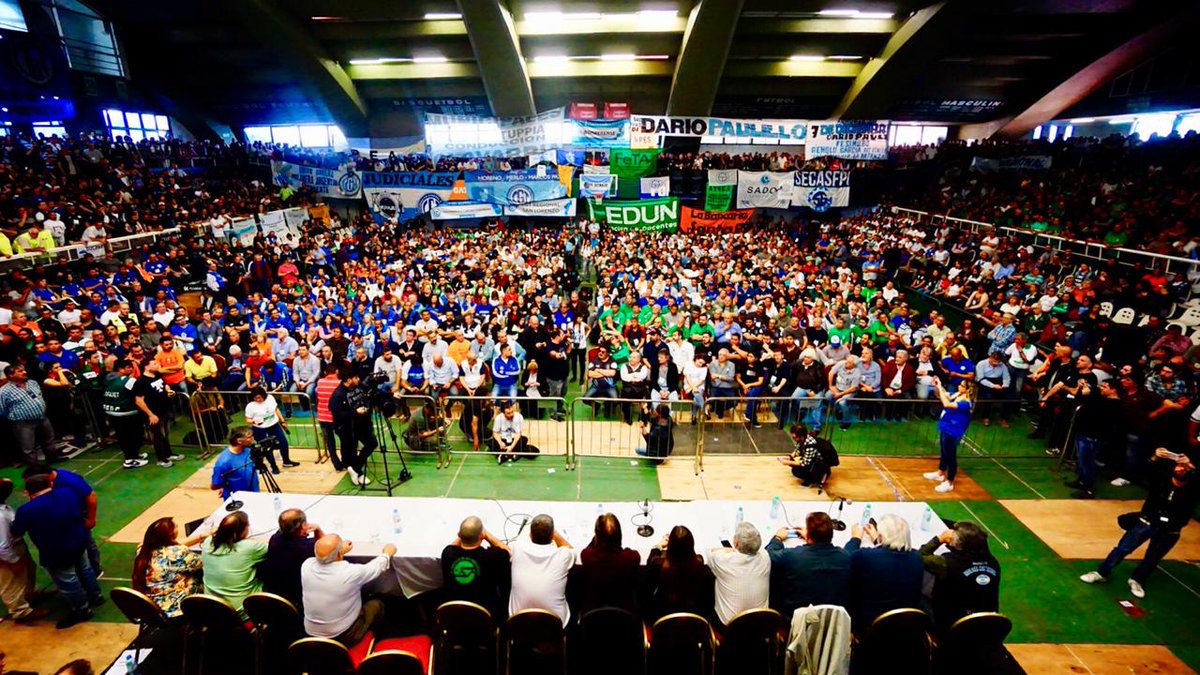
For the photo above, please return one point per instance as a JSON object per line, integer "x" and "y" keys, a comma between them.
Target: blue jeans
{"x": 274, "y": 431}
{"x": 507, "y": 391}
{"x": 1085, "y": 460}
{"x": 1161, "y": 543}
{"x": 752, "y": 395}
{"x": 948, "y": 461}
{"x": 77, "y": 582}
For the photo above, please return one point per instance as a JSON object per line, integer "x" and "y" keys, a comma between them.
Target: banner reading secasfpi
{"x": 652, "y": 215}
{"x": 764, "y": 189}
{"x": 821, "y": 190}
{"x": 405, "y": 194}
{"x": 463, "y": 136}
{"x": 519, "y": 186}
{"x": 847, "y": 140}
{"x": 341, "y": 183}
{"x": 650, "y": 127}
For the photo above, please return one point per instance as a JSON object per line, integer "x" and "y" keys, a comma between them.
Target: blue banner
{"x": 513, "y": 188}
{"x": 596, "y": 133}
{"x": 570, "y": 157}
{"x": 405, "y": 194}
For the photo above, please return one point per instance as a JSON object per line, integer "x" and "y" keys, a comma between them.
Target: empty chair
{"x": 1124, "y": 316}
{"x": 141, "y": 611}
{"x": 819, "y": 641}
{"x": 417, "y": 646}
{"x": 1190, "y": 316}
{"x": 464, "y": 640}
{"x": 609, "y": 640}
{"x": 897, "y": 641}
{"x": 204, "y": 615}
{"x": 535, "y": 643}
{"x": 277, "y": 624}
{"x": 751, "y": 643}
{"x": 1106, "y": 308}
{"x": 320, "y": 656}
{"x": 392, "y": 662}
{"x": 681, "y": 644}
{"x": 975, "y": 644}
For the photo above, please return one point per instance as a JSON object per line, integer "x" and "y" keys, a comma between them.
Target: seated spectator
{"x": 742, "y": 572}
{"x": 966, "y": 578}
{"x": 286, "y": 552}
{"x": 658, "y": 433}
{"x": 508, "y": 437}
{"x": 677, "y": 580}
{"x": 333, "y": 606}
{"x": 166, "y": 570}
{"x": 885, "y": 577}
{"x": 817, "y": 573}
{"x": 231, "y": 561}
{"x": 608, "y": 573}
{"x": 540, "y": 566}
{"x": 475, "y": 568}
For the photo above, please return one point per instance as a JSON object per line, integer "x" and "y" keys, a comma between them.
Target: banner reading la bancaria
{"x": 650, "y": 215}
{"x": 629, "y": 163}
{"x": 692, "y": 219}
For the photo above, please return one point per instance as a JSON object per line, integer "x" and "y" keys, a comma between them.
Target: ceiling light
{"x": 838, "y": 12}
{"x": 1083, "y": 120}
{"x": 376, "y": 62}
{"x": 658, "y": 14}
{"x": 874, "y": 15}
{"x": 618, "y": 57}
{"x": 442, "y": 16}
{"x": 551, "y": 58}
{"x": 843, "y": 57}
{"x": 653, "y": 57}
{"x": 325, "y": 18}
{"x": 583, "y": 16}
{"x": 806, "y": 57}
{"x": 855, "y": 14}
{"x": 430, "y": 59}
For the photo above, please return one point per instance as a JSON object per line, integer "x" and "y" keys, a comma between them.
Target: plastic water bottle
{"x": 278, "y": 502}
{"x": 866, "y": 515}
{"x": 927, "y": 519}
{"x": 776, "y": 505}
{"x": 397, "y": 525}
{"x": 599, "y": 510}
{"x": 741, "y": 515}
{"x": 130, "y": 663}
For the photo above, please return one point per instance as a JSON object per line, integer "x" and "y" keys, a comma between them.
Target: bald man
{"x": 332, "y": 590}
{"x": 475, "y": 567}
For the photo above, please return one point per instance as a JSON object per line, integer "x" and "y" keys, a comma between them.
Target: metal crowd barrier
{"x": 610, "y": 427}
{"x": 214, "y": 412}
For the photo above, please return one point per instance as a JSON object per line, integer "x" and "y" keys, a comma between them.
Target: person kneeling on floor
{"x": 811, "y": 459}
{"x": 658, "y": 433}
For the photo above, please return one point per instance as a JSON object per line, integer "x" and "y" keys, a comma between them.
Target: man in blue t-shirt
{"x": 234, "y": 470}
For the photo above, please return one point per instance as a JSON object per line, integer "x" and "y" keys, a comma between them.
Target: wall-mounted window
{"x": 303, "y": 135}
{"x": 11, "y": 16}
{"x": 49, "y": 128}
{"x": 89, "y": 39}
{"x": 136, "y": 125}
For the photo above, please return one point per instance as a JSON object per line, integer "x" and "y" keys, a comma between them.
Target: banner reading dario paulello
{"x": 648, "y": 215}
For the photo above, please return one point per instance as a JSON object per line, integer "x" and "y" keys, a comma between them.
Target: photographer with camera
{"x": 351, "y": 408}
{"x": 234, "y": 470}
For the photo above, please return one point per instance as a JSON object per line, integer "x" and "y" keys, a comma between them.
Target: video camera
{"x": 262, "y": 449}
{"x": 379, "y": 400}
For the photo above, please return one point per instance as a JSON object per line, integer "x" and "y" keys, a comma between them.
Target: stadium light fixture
{"x": 618, "y": 57}
{"x": 806, "y": 57}
{"x": 855, "y": 14}
{"x": 551, "y": 58}
{"x": 430, "y": 59}
{"x": 1083, "y": 120}
{"x": 843, "y": 57}
{"x": 442, "y": 16}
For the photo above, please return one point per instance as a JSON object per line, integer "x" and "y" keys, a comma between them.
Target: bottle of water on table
{"x": 278, "y": 504}
{"x": 741, "y": 515}
{"x": 927, "y": 519}
{"x": 130, "y": 663}
{"x": 397, "y": 525}
{"x": 866, "y": 518}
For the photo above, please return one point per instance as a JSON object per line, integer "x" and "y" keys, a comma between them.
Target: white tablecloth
{"x": 427, "y": 525}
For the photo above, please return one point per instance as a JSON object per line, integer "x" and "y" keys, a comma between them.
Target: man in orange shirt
{"x": 170, "y": 361}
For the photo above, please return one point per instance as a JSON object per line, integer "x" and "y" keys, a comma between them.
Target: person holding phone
{"x": 1174, "y": 493}
{"x": 952, "y": 426}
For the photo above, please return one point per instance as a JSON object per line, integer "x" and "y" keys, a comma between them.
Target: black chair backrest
{"x": 464, "y": 640}
{"x": 275, "y": 615}
{"x": 535, "y": 643}
{"x": 752, "y": 642}
{"x": 391, "y": 662}
{"x": 210, "y": 612}
{"x": 138, "y": 608}
{"x": 609, "y": 640}
{"x": 320, "y": 656}
{"x": 980, "y": 634}
{"x": 681, "y": 644}
{"x": 896, "y": 641}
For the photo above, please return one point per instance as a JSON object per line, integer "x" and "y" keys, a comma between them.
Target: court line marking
{"x": 461, "y": 461}
{"x": 886, "y": 480}
{"x": 1019, "y": 479}
{"x": 897, "y": 482}
{"x": 984, "y": 526}
{"x": 1077, "y": 658}
{"x": 1179, "y": 581}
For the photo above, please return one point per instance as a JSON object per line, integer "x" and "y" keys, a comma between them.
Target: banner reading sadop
{"x": 820, "y": 190}
{"x": 629, "y": 163}
{"x": 519, "y": 186}
{"x": 847, "y": 140}
{"x": 405, "y": 194}
{"x": 653, "y": 215}
{"x": 764, "y": 189}
{"x": 342, "y": 183}
{"x": 724, "y": 220}
{"x": 718, "y": 193}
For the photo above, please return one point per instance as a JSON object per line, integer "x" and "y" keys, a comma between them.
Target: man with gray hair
{"x": 475, "y": 567}
{"x": 540, "y": 565}
{"x": 845, "y": 380}
{"x": 886, "y": 577}
{"x": 743, "y": 573}
{"x": 333, "y": 606}
{"x": 286, "y": 552}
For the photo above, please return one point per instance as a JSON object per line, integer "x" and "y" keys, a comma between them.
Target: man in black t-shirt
{"x": 152, "y": 396}
{"x": 474, "y": 572}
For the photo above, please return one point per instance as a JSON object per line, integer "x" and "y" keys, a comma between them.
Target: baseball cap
{"x": 835, "y": 340}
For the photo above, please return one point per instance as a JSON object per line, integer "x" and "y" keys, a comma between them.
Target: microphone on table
{"x": 838, "y": 523}
{"x": 645, "y": 530}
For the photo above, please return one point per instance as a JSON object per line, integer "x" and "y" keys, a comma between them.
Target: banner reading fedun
{"x": 691, "y": 219}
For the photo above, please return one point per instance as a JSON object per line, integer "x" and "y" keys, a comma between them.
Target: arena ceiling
{"x": 372, "y": 66}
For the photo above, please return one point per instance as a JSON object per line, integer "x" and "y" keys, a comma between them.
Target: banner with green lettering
{"x": 629, "y": 163}
{"x": 650, "y": 215}
{"x": 718, "y": 197}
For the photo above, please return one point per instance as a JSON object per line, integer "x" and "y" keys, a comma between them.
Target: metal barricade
{"x": 753, "y": 425}
{"x": 214, "y": 412}
{"x": 611, "y": 427}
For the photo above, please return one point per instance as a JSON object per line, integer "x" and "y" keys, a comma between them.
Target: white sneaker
{"x": 355, "y": 478}
{"x": 1119, "y": 482}
{"x": 1136, "y": 589}
{"x": 363, "y": 481}
{"x": 134, "y": 463}
{"x": 933, "y": 475}
{"x": 944, "y": 486}
{"x": 1093, "y": 578}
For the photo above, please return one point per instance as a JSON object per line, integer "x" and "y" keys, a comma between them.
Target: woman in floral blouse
{"x": 165, "y": 570}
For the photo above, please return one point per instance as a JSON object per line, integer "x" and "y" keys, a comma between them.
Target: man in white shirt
{"x": 540, "y": 566}
{"x": 70, "y": 313}
{"x": 17, "y": 570}
{"x": 507, "y": 428}
{"x": 332, "y": 589}
{"x": 743, "y": 573}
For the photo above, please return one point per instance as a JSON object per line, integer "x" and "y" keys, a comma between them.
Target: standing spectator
{"x": 333, "y": 606}
{"x": 608, "y": 572}
{"x": 55, "y": 524}
{"x": 540, "y": 566}
{"x": 286, "y": 552}
{"x": 22, "y": 404}
{"x": 18, "y": 573}
{"x": 966, "y": 577}
{"x": 556, "y": 371}
{"x": 1097, "y": 420}
{"x": 743, "y": 574}
{"x": 262, "y": 412}
{"x": 323, "y": 392}
{"x": 171, "y": 360}
{"x": 473, "y": 572}
{"x": 234, "y": 470}
{"x": 120, "y": 408}
{"x": 817, "y": 573}
{"x": 231, "y": 561}
{"x": 952, "y": 426}
{"x": 351, "y": 412}
{"x": 166, "y": 570}
{"x": 153, "y": 397}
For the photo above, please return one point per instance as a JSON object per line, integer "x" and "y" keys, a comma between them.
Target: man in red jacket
{"x": 898, "y": 381}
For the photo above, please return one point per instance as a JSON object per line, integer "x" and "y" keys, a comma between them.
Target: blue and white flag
{"x": 404, "y": 195}
{"x": 655, "y": 186}
{"x": 513, "y": 188}
{"x": 597, "y": 185}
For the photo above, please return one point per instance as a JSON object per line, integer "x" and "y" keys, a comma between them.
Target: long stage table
{"x": 421, "y": 527}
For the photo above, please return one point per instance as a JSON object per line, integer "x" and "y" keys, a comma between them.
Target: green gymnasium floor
{"x": 1040, "y": 590}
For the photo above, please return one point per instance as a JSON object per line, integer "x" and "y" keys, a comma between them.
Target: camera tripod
{"x": 257, "y": 459}
{"x": 381, "y": 422}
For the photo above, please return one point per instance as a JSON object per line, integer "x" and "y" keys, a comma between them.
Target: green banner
{"x": 650, "y": 215}
{"x": 630, "y": 163}
{"x": 718, "y": 197}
